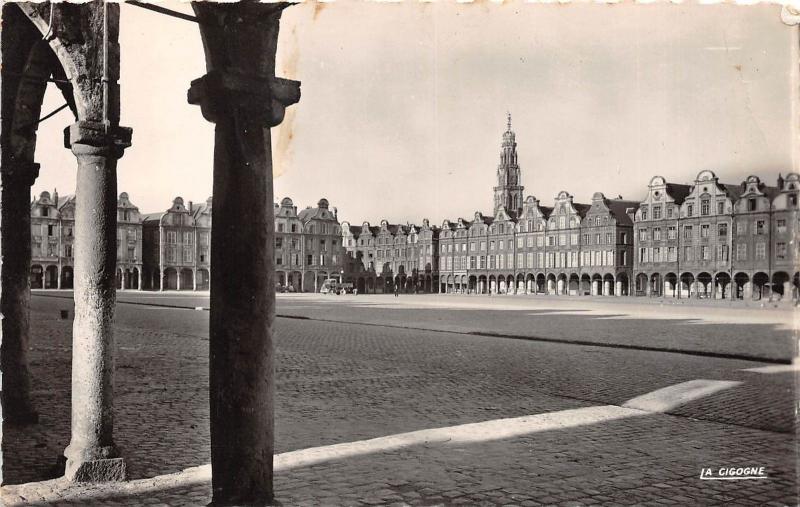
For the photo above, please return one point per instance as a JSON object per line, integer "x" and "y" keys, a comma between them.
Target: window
{"x": 610, "y": 239}
{"x": 672, "y": 254}
{"x": 643, "y": 255}
{"x": 656, "y": 233}
{"x": 278, "y": 242}
{"x": 642, "y": 234}
{"x": 669, "y": 212}
{"x": 561, "y": 222}
{"x": 759, "y": 227}
{"x": 720, "y": 207}
{"x": 722, "y": 230}
{"x": 472, "y": 262}
{"x": 483, "y": 245}
{"x": 540, "y": 241}
{"x": 321, "y": 259}
{"x": 585, "y": 239}
{"x": 741, "y": 252}
{"x": 656, "y": 254}
{"x": 672, "y": 232}
{"x": 780, "y": 250}
{"x": 793, "y": 200}
{"x": 483, "y": 262}
{"x": 623, "y": 238}
{"x": 562, "y": 239}
{"x": 761, "y": 250}
{"x": 294, "y": 227}
{"x": 751, "y": 204}
{"x": 688, "y": 253}
{"x": 689, "y": 210}
{"x": 722, "y": 252}
{"x": 781, "y": 226}
{"x": 704, "y": 231}
{"x": 188, "y": 238}
{"x": 704, "y": 253}
{"x": 203, "y": 255}
{"x": 171, "y": 254}
{"x": 644, "y": 212}
{"x": 309, "y": 260}
{"x": 530, "y": 241}
{"x": 551, "y": 241}
{"x": 491, "y": 262}
{"x": 705, "y": 207}
{"x": 131, "y": 253}
{"x": 68, "y": 232}
{"x": 656, "y": 212}
{"x": 687, "y": 232}
{"x": 597, "y": 239}
{"x": 280, "y": 229}
{"x": 67, "y": 250}
{"x": 741, "y": 228}
{"x": 172, "y": 237}
{"x": 50, "y": 229}
{"x": 501, "y": 244}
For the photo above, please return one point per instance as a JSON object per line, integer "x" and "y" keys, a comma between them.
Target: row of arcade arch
{"x": 573, "y": 284}
{"x": 721, "y": 285}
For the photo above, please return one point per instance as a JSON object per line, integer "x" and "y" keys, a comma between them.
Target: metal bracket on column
{"x": 98, "y": 135}
{"x": 220, "y": 92}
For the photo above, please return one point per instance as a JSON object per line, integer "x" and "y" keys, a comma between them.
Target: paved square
{"x": 351, "y": 369}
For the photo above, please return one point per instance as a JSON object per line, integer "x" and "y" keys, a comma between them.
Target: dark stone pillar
{"x": 15, "y": 248}
{"x": 92, "y": 455}
{"x": 241, "y": 95}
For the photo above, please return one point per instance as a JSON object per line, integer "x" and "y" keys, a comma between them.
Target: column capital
{"x": 95, "y": 138}
{"x": 21, "y": 172}
{"x": 220, "y": 92}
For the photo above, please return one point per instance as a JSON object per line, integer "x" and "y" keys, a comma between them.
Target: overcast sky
{"x": 404, "y": 105}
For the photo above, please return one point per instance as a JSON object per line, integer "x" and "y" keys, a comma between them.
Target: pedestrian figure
{"x": 355, "y": 292}
{"x": 396, "y": 291}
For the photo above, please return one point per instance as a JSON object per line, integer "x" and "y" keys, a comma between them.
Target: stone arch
{"x": 67, "y": 276}
{"x": 51, "y": 277}
{"x": 574, "y": 284}
{"x": 670, "y": 284}
{"x": 609, "y": 284}
{"x": 781, "y": 285}
{"x": 204, "y": 280}
{"x": 741, "y": 285}
{"x": 686, "y": 284}
{"x": 704, "y": 284}
{"x": 640, "y": 284}
{"x": 585, "y": 285}
{"x": 656, "y": 285}
{"x": 623, "y": 285}
{"x": 722, "y": 285}
{"x": 170, "y": 279}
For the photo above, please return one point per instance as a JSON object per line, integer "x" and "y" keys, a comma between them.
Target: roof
{"x": 149, "y": 217}
{"x": 619, "y": 207}
{"x": 734, "y": 191}
{"x": 63, "y": 200}
{"x": 582, "y": 209}
{"x": 678, "y": 192}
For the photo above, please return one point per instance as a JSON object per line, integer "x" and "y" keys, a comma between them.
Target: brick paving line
{"x": 490, "y": 334}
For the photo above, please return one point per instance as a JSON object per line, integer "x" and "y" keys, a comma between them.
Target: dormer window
{"x": 45, "y": 211}
{"x": 751, "y": 204}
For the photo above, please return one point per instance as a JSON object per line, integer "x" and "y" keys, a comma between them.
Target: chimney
{"x": 55, "y": 197}
{"x": 190, "y": 206}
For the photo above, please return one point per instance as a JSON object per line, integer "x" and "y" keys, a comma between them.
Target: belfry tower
{"x": 508, "y": 191}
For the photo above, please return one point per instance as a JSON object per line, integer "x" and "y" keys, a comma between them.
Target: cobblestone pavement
{"x": 341, "y": 382}
{"x": 712, "y": 326}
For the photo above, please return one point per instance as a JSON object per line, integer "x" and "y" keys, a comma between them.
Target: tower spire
{"x": 508, "y": 192}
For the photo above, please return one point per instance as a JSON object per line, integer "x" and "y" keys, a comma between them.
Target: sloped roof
{"x": 582, "y": 209}
{"x": 734, "y": 191}
{"x": 618, "y": 208}
{"x": 678, "y": 192}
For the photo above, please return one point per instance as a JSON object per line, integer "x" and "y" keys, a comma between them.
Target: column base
{"x": 97, "y": 470}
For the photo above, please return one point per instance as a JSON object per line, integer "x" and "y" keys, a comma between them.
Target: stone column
{"x": 139, "y": 287}
{"x": 243, "y": 98}
{"x": 92, "y": 455}
{"x": 618, "y": 288}
{"x": 123, "y": 278}
{"x": 179, "y": 272}
{"x": 15, "y": 249}
{"x": 194, "y": 280}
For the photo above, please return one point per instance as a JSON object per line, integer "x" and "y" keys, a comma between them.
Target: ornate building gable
{"x": 566, "y": 214}
{"x": 480, "y": 225}
{"x": 66, "y": 207}
{"x": 45, "y": 206}
{"x": 508, "y": 192}
{"x": 177, "y": 214}
{"x": 787, "y": 192}
{"x": 663, "y": 200}
{"x": 202, "y": 214}
{"x": 534, "y": 217}
{"x": 709, "y": 197}
{"x": 127, "y": 212}
{"x": 755, "y": 196}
